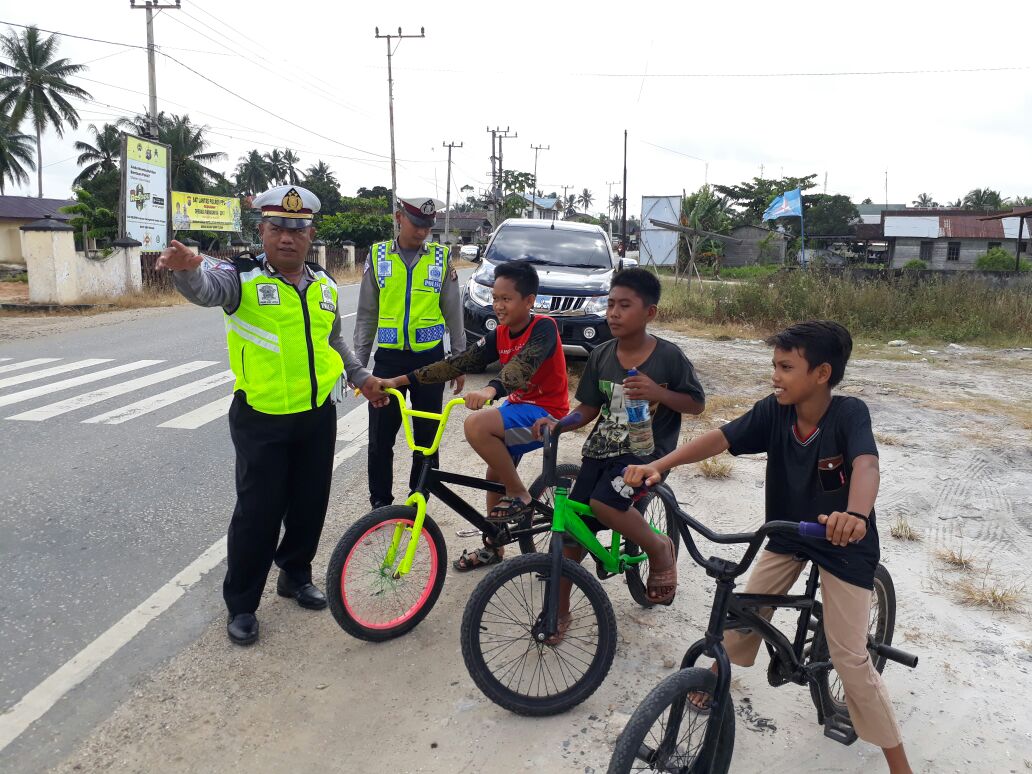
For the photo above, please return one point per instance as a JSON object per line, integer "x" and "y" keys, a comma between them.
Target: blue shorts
{"x": 518, "y": 419}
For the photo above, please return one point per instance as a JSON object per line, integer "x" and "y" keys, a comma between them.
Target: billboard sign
{"x": 143, "y": 207}
{"x": 205, "y": 213}
{"x": 658, "y": 246}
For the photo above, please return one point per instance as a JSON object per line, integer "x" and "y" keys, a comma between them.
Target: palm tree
{"x": 571, "y": 202}
{"x": 956, "y": 205}
{"x": 277, "y": 169}
{"x": 102, "y": 156}
{"x": 1022, "y": 201}
{"x": 252, "y": 174}
{"x": 15, "y": 154}
{"x": 290, "y": 162}
{"x": 321, "y": 172}
{"x": 925, "y": 201}
{"x": 615, "y": 204}
{"x": 585, "y": 199}
{"x": 35, "y": 84}
{"x": 985, "y": 199}
{"x": 189, "y": 155}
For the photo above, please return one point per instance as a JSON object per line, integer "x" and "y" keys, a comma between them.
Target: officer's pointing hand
{"x": 178, "y": 257}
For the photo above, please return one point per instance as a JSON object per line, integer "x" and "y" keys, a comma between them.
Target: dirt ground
{"x": 954, "y": 429}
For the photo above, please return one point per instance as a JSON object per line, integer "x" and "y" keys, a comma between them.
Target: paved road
{"x": 117, "y": 474}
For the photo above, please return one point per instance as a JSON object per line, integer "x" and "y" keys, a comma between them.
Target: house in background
{"x": 947, "y": 238}
{"x": 542, "y": 207}
{"x": 756, "y": 245}
{"x": 470, "y": 228}
{"x": 17, "y": 211}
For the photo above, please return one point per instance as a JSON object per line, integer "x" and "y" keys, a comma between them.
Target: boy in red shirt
{"x": 532, "y": 382}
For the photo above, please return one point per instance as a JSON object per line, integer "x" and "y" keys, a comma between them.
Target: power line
{"x": 671, "y": 150}
{"x": 846, "y": 73}
{"x": 110, "y": 42}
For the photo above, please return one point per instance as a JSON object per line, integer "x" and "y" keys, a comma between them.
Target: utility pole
{"x": 533, "y": 190}
{"x": 390, "y": 94}
{"x": 626, "y": 238}
{"x": 497, "y": 135}
{"x": 152, "y": 80}
{"x": 447, "y": 194}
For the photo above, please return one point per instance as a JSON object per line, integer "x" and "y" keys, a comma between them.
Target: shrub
{"x": 915, "y": 265}
{"x": 999, "y": 259}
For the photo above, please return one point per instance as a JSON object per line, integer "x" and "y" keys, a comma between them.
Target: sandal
{"x": 510, "y": 509}
{"x": 562, "y": 626}
{"x": 663, "y": 579}
{"x": 482, "y": 557}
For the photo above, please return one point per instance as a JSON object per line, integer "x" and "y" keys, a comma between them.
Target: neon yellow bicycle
{"x": 388, "y": 569}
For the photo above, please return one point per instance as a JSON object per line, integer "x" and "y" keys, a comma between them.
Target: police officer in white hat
{"x": 409, "y": 295}
{"x": 287, "y": 354}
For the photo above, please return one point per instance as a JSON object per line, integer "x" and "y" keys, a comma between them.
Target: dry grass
{"x": 901, "y": 530}
{"x": 956, "y": 559}
{"x": 990, "y": 593}
{"x": 144, "y": 298}
{"x": 350, "y": 276}
{"x": 716, "y": 468}
{"x": 887, "y": 439}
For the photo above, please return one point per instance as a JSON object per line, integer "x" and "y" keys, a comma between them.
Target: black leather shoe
{"x": 379, "y": 504}
{"x": 242, "y": 628}
{"x": 306, "y": 594}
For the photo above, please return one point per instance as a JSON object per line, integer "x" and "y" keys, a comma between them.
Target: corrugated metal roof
{"x": 33, "y": 208}
{"x": 970, "y": 227}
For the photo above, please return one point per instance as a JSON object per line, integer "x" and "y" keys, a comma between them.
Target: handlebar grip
{"x": 812, "y": 529}
{"x": 897, "y": 655}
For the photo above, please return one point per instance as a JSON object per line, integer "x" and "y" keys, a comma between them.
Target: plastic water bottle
{"x": 639, "y": 423}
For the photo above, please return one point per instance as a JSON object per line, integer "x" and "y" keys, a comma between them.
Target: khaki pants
{"x": 846, "y": 611}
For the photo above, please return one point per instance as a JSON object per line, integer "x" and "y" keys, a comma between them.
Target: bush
{"x": 999, "y": 259}
{"x": 915, "y": 265}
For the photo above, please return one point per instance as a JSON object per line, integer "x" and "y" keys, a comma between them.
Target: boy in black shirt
{"x": 822, "y": 465}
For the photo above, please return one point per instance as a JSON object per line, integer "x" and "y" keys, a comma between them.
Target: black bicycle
{"x": 687, "y": 723}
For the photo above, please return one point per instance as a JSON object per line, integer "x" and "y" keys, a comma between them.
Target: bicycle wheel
{"x": 827, "y": 693}
{"x": 366, "y": 600}
{"x": 514, "y": 670}
{"x": 666, "y": 731}
{"x": 662, "y": 517}
{"x": 539, "y": 542}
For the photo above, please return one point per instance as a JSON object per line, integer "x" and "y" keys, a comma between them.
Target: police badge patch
{"x": 327, "y": 299}
{"x": 268, "y": 293}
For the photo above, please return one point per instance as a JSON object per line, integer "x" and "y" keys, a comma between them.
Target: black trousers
{"x": 284, "y": 464}
{"x": 385, "y": 422}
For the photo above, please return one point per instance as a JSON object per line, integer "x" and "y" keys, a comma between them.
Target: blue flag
{"x": 789, "y": 203}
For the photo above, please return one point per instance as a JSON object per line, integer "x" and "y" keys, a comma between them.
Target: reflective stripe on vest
{"x": 410, "y": 298}
{"x": 278, "y": 341}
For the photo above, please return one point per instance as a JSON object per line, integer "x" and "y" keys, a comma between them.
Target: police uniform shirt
{"x": 215, "y": 283}
{"x": 368, "y": 315}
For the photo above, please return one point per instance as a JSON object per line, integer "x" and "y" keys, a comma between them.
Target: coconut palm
{"x": 585, "y": 199}
{"x": 189, "y": 170}
{"x": 985, "y": 199}
{"x": 252, "y": 174}
{"x": 925, "y": 201}
{"x": 102, "y": 156}
{"x": 615, "y": 204}
{"x": 35, "y": 84}
{"x": 321, "y": 172}
{"x": 274, "y": 163}
{"x": 571, "y": 202}
{"x": 290, "y": 162}
{"x": 15, "y": 155}
{"x": 956, "y": 204}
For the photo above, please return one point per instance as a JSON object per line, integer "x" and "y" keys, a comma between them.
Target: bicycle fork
{"x": 418, "y": 500}
{"x": 547, "y": 623}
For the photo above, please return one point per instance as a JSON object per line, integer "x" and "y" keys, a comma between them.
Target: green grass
{"x": 956, "y": 309}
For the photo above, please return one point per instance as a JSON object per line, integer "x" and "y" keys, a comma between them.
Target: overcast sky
{"x": 573, "y": 76}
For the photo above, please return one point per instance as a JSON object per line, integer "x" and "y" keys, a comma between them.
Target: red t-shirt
{"x": 547, "y": 387}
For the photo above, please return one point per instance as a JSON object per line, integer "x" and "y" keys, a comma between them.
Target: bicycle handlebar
{"x": 441, "y": 419}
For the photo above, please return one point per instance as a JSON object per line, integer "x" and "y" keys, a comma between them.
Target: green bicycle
{"x": 388, "y": 569}
{"x": 512, "y": 642}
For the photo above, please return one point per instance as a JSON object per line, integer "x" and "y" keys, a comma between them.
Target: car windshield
{"x": 560, "y": 247}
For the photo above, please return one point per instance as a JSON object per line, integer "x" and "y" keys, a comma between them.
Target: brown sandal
{"x": 663, "y": 579}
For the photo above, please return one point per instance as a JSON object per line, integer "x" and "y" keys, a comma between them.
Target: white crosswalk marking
{"x": 201, "y": 416}
{"x": 96, "y": 376}
{"x": 25, "y": 363}
{"x": 145, "y": 406}
{"x": 88, "y": 398}
{"x": 35, "y": 376}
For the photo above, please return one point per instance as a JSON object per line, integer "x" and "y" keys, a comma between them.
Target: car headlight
{"x": 481, "y": 294}
{"x": 596, "y": 305}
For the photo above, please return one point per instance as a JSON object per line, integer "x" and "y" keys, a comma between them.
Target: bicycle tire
{"x": 663, "y": 517}
{"x": 482, "y": 621}
{"x": 345, "y": 593}
{"x": 826, "y": 691}
{"x": 539, "y": 542}
{"x": 633, "y": 752}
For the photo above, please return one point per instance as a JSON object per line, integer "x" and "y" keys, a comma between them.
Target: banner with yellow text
{"x": 198, "y": 212}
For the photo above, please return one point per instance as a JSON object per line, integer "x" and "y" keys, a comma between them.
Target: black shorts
{"x": 602, "y": 480}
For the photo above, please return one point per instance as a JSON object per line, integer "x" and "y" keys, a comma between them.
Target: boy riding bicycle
{"x": 822, "y": 465}
{"x": 532, "y": 381}
{"x": 666, "y": 379}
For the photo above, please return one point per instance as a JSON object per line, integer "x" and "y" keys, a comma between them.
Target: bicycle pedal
{"x": 839, "y": 729}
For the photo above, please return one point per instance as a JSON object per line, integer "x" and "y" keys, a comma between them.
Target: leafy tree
{"x": 830, "y": 215}
{"x": 704, "y": 210}
{"x": 867, "y": 201}
{"x": 35, "y": 84}
{"x": 615, "y": 204}
{"x": 276, "y": 167}
{"x": 956, "y": 204}
{"x": 102, "y": 156}
{"x": 189, "y": 170}
{"x": 984, "y": 199}
{"x": 92, "y": 220}
{"x": 571, "y": 203}
{"x": 585, "y": 199}
{"x": 15, "y": 154}
{"x": 514, "y": 181}
{"x": 925, "y": 200}
{"x": 320, "y": 172}
{"x": 105, "y": 188}
{"x": 751, "y": 198}
{"x": 252, "y": 174}
{"x": 1022, "y": 201}
{"x": 290, "y": 162}
{"x": 999, "y": 259}
{"x": 329, "y": 196}
{"x": 360, "y": 228}
{"x": 383, "y": 192}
